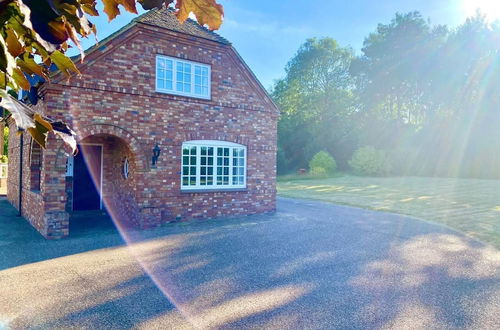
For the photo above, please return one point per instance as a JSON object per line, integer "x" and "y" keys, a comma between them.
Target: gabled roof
{"x": 165, "y": 18}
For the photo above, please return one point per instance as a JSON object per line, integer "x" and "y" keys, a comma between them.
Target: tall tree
{"x": 316, "y": 99}
{"x": 393, "y": 73}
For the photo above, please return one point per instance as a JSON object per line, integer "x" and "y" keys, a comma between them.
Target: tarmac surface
{"x": 310, "y": 265}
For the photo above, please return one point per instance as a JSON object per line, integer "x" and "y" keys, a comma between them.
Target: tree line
{"x": 427, "y": 95}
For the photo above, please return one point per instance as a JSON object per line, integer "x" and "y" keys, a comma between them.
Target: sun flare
{"x": 490, "y": 8}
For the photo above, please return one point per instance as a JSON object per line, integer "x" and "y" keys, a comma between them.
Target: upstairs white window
{"x": 208, "y": 164}
{"x": 181, "y": 77}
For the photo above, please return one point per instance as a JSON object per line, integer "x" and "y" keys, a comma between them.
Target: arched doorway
{"x": 102, "y": 177}
{"x": 88, "y": 177}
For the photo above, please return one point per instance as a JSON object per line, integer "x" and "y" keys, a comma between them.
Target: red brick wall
{"x": 115, "y": 95}
{"x": 43, "y": 208}
{"x": 32, "y": 208}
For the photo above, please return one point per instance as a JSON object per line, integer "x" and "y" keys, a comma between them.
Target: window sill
{"x": 195, "y": 191}
{"x": 173, "y": 93}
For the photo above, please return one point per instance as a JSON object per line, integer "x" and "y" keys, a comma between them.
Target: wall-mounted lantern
{"x": 156, "y": 155}
{"x": 126, "y": 168}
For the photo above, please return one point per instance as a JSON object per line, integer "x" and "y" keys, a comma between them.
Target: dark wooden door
{"x": 87, "y": 178}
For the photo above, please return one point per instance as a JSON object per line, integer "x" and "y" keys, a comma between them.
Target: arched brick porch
{"x": 120, "y": 197}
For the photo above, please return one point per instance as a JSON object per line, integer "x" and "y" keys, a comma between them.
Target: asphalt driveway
{"x": 310, "y": 265}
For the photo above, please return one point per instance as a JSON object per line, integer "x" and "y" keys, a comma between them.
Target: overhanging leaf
{"x": 111, "y": 7}
{"x": 14, "y": 46}
{"x": 7, "y": 62}
{"x": 39, "y": 134}
{"x": 66, "y": 134}
{"x": 64, "y": 63}
{"x": 90, "y": 9}
{"x": 22, "y": 114}
{"x": 38, "y": 126}
{"x": 207, "y": 12}
{"x": 150, "y": 4}
{"x": 58, "y": 31}
{"x": 43, "y": 122}
{"x": 29, "y": 66}
{"x": 20, "y": 79}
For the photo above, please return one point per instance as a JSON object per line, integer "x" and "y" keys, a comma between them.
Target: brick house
{"x": 154, "y": 85}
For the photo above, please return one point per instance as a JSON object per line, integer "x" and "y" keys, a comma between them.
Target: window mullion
{"x": 245, "y": 156}
{"x": 230, "y": 166}
{"x": 192, "y": 79}
{"x": 174, "y": 75}
{"x": 216, "y": 152}
{"x": 165, "y": 65}
{"x": 198, "y": 167}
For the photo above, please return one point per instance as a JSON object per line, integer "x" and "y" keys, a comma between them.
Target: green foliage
{"x": 4, "y": 159}
{"x": 427, "y": 93}
{"x": 322, "y": 164}
{"x": 316, "y": 99}
{"x": 5, "y": 141}
{"x": 369, "y": 161}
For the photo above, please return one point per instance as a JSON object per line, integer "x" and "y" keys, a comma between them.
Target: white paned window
{"x": 208, "y": 164}
{"x": 181, "y": 77}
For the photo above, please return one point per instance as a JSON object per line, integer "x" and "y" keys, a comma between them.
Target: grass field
{"x": 469, "y": 205}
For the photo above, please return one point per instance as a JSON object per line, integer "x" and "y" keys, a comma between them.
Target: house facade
{"x": 171, "y": 125}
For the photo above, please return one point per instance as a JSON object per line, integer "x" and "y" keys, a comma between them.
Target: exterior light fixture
{"x": 156, "y": 155}
{"x": 126, "y": 169}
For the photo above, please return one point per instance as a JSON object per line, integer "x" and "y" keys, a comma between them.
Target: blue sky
{"x": 267, "y": 33}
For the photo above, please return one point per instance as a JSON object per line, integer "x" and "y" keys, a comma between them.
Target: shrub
{"x": 369, "y": 161}
{"x": 3, "y": 159}
{"x": 318, "y": 171}
{"x": 322, "y": 164}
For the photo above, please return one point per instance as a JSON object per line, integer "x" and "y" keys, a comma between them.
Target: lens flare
{"x": 133, "y": 238}
{"x": 490, "y": 8}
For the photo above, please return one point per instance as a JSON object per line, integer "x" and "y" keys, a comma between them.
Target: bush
{"x": 369, "y": 161}
{"x": 3, "y": 159}
{"x": 322, "y": 164}
{"x": 318, "y": 171}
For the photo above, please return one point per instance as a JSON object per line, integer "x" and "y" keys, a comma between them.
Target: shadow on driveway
{"x": 310, "y": 265}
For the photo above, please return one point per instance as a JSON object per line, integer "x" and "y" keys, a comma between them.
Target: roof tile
{"x": 165, "y": 18}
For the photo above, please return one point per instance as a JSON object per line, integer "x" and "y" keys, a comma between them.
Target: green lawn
{"x": 468, "y": 205}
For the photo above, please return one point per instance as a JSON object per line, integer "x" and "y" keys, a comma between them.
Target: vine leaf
{"x": 150, "y": 4}
{"x": 207, "y": 12}
{"x": 39, "y": 133}
{"x": 35, "y": 124}
{"x": 13, "y": 45}
{"x": 111, "y": 7}
{"x": 22, "y": 114}
{"x": 63, "y": 63}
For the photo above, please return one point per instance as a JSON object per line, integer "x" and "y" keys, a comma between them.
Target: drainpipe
{"x": 21, "y": 144}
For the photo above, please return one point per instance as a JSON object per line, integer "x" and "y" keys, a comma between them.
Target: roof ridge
{"x": 164, "y": 18}
{"x": 149, "y": 18}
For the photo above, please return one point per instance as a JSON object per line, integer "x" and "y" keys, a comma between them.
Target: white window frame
{"x": 215, "y": 144}
{"x": 174, "y": 78}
